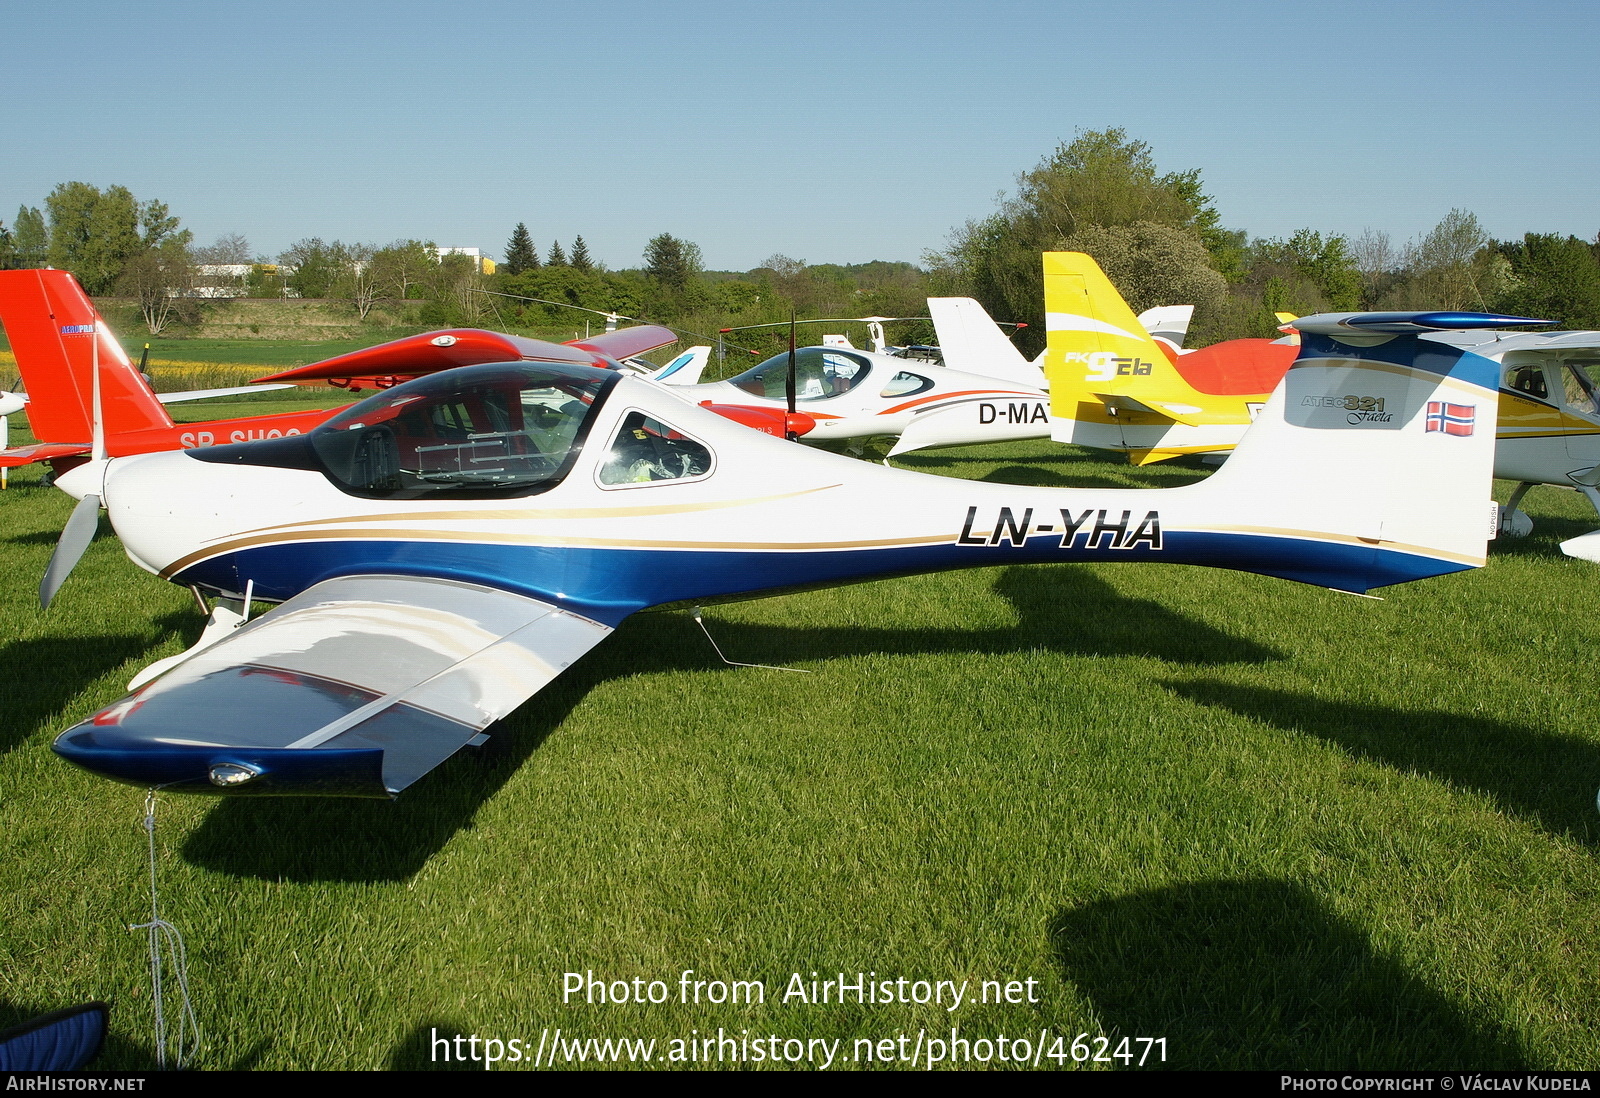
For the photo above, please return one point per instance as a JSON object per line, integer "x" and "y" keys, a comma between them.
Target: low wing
{"x": 41, "y": 451}
{"x": 430, "y": 352}
{"x": 626, "y": 342}
{"x": 208, "y": 394}
{"x": 355, "y": 687}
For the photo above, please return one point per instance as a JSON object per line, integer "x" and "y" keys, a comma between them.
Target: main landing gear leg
{"x": 1514, "y": 523}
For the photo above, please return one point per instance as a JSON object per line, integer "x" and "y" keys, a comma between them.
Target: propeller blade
{"x": 75, "y": 538}
{"x": 789, "y": 379}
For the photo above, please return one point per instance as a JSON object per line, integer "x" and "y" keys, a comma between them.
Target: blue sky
{"x": 827, "y": 131}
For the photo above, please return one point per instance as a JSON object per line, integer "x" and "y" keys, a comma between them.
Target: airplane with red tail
{"x": 62, "y": 343}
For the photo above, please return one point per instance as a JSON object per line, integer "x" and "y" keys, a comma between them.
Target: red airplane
{"x": 59, "y": 338}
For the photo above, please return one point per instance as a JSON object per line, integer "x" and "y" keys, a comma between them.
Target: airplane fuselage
{"x": 758, "y": 515}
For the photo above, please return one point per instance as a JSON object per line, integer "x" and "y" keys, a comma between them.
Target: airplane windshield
{"x": 507, "y": 429}
{"x": 1580, "y": 389}
{"x": 820, "y": 373}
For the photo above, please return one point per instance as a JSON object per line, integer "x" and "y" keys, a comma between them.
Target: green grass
{"x": 1278, "y": 826}
{"x": 276, "y": 354}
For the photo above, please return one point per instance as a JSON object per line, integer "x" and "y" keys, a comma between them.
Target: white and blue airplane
{"x": 443, "y": 550}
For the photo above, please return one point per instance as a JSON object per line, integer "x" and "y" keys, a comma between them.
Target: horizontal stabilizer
{"x": 1129, "y": 404}
{"x": 355, "y": 687}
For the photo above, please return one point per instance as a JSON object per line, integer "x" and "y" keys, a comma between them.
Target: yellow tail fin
{"x": 1099, "y": 353}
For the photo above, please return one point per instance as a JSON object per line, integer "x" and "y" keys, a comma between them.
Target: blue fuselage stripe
{"x": 609, "y": 584}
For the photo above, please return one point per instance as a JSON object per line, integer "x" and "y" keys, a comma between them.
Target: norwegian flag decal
{"x": 1452, "y": 419}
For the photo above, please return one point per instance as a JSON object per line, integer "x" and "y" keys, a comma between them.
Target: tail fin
{"x": 52, "y": 327}
{"x": 1412, "y": 499}
{"x": 1168, "y": 324}
{"x": 1099, "y": 354}
{"x": 683, "y": 370}
{"x": 971, "y": 342}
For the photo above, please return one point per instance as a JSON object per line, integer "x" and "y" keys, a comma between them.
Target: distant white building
{"x": 221, "y": 280}
{"x": 484, "y": 264}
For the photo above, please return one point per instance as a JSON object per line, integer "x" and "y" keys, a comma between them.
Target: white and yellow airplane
{"x": 1115, "y": 387}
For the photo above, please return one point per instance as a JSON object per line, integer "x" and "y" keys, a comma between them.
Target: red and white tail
{"x": 52, "y": 327}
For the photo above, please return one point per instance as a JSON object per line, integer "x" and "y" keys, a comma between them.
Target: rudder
{"x": 52, "y": 326}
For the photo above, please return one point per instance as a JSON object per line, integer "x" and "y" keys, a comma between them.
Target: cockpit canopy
{"x": 820, "y": 373}
{"x": 498, "y": 430}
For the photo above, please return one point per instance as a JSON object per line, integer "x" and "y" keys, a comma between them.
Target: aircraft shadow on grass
{"x": 1257, "y": 975}
{"x": 43, "y": 537}
{"x": 430, "y": 1047}
{"x": 1549, "y": 531}
{"x": 58, "y": 668}
{"x": 1064, "y": 471}
{"x": 1542, "y": 776}
{"x": 1067, "y": 610}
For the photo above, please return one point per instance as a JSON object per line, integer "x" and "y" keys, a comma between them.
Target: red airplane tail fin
{"x": 52, "y": 326}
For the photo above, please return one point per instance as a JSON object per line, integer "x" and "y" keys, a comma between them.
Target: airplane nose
{"x": 85, "y": 480}
{"x": 150, "y": 505}
{"x": 167, "y": 506}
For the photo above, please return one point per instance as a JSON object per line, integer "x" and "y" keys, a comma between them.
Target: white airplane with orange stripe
{"x": 850, "y": 394}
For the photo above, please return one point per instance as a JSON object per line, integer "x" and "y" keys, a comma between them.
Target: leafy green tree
{"x": 580, "y": 256}
{"x": 557, "y": 258}
{"x": 317, "y": 265}
{"x": 1453, "y": 266}
{"x": 1308, "y": 273}
{"x": 671, "y": 262}
{"x": 404, "y": 266}
{"x": 521, "y": 255}
{"x": 92, "y": 234}
{"x": 1155, "y": 264}
{"x": 30, "y": 238}
{"x": 265, "y": 280}
{"x": 1101, "y": 180}
{"x": 158, "y": 227}
{"x": 1553, "y": 278}
{"x": 453, "y": 289}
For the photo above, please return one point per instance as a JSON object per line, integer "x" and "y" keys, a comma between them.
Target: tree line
{"x": 1160, "y": 239}
{"x": 1158, "y": 235}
